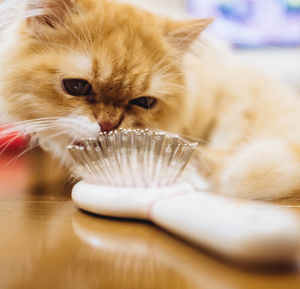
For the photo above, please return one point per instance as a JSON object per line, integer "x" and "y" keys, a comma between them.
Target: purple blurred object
{"x": 252, "y": 23}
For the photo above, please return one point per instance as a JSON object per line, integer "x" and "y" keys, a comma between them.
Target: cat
{"x": 70, "y": 68}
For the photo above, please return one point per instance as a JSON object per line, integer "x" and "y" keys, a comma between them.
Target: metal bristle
{"x": 132, "y": 158}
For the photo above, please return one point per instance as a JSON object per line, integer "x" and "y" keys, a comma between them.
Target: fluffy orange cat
{"x": 69, "y": 67}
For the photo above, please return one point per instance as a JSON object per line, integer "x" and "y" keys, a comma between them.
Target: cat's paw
{"x": 266, "y": 169}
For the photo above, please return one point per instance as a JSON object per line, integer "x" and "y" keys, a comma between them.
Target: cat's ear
{"x": 181, "y": 34}
{"x": 48, "y": 12}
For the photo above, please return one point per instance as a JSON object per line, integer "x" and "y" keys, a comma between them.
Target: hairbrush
{"x": 137, "y": 174}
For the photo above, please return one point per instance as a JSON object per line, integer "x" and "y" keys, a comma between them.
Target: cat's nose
{"x": 107, "y": 126}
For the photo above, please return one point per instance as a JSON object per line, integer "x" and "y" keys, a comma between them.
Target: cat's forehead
{"x": 101, "y": 66}
{"x": 106, "y": 72}
{"x": 78, "y": 64}
{"x": 118, "y": 53}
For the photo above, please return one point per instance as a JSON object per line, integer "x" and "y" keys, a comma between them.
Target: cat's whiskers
{"x": 17, "y": 129}
{"x": 6, "y": 144}
{"x": 42, "y": 120}
{"x": 31, "y": 147}
{"x": 15, "y": 124}
{"x": 11, "y": 128}
{"x": 29, "y": 128}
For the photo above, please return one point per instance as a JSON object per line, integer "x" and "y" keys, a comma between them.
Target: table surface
{"x": 46, "y": 242}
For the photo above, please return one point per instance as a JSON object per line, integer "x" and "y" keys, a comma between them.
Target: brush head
{"x": 131, "y": 158}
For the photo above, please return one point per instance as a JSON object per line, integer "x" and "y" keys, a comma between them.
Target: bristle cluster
{"x": 132, "y": 158}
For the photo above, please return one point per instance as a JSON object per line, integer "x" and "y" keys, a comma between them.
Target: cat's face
{"x": 99, "y": 63}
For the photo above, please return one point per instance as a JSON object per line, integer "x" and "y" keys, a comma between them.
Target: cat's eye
{"x": 77, "y": 87}
{"x": 146, "y": 102}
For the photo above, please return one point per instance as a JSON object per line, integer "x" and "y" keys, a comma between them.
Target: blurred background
{"x": 266, "y": 32}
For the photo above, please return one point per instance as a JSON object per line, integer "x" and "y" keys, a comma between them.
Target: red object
{"x": 12, "y": 141}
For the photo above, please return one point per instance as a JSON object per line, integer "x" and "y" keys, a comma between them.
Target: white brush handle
{"x": 247, "y": 231}
{"x": 242, "y": 230}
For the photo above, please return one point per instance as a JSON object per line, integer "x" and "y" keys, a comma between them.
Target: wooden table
{"x": 45, "y": 242}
